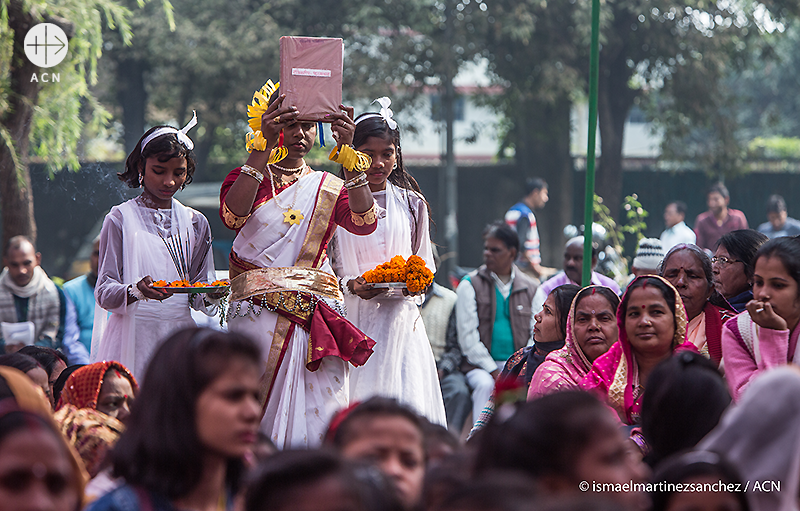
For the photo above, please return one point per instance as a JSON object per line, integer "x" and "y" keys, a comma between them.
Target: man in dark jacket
{"x": 493, "y": 312}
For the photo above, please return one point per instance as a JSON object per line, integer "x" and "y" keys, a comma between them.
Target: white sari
{"x": 402, "y": 365}
{"x": 130, "y": 249}
{"x": 300, "y": 403}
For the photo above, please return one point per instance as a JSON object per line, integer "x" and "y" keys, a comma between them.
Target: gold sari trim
{"x": 279, "y": 339}
{"x": 616, "y": 391}
{"x": 232, "y": 221}
{"x": 326, "y": 201}
{"x": 271, "y": 280}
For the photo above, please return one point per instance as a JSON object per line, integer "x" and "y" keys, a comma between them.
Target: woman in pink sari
{"x": 591, "y": 331}
{"x": 652, "y": 326}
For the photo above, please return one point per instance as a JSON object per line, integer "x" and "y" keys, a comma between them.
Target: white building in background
{"x": 476, "y": 127}
{"x": 639, "y": 141}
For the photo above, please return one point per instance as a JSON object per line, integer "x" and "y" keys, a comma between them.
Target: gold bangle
{"x": 252, "y": 172}
{"x": 368, "y": 217}
{"x": 232, "y": 221}
{"x": 354, "y": 182}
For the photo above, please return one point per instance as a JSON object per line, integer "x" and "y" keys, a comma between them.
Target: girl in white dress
{"x": 402, "y": 365}
{"x": 133, "y": 255}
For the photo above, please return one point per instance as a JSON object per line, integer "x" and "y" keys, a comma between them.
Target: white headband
{"x": 385, "y": 112}
{"x": 183, "y": 138}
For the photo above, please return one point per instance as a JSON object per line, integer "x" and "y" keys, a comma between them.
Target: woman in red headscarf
{"x": 93, "y": 408}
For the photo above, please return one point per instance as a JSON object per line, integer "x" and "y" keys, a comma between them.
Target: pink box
{"x": 311, "y": 75}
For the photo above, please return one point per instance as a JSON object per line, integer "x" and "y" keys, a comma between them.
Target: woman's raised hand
{"x": 275, "y": 119}
{"x": 342, "y": 126}
{"x": 764, "y": 316}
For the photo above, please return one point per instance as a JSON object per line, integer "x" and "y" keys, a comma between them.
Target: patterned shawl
{"x": 562, "y": 369}
{"x": 615, "y": 375}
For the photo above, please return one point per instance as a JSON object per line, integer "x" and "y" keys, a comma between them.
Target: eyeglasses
{"x": 724, "y": 261}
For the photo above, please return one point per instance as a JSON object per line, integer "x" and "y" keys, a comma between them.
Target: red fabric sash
{"x": 330, "y": 335}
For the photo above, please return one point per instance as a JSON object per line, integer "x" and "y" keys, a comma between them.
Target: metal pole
{"x": 588, "y": 213}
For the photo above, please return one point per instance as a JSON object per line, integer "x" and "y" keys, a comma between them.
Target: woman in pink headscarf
{"x": 652, "y": 326}
{"x": 591, "y": 331}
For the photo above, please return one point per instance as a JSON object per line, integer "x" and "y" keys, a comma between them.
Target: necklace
{"x": 291, "y": 216}
{"x": 295, "y": 170}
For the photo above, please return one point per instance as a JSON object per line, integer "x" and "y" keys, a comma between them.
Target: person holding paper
{"x": 27, "y": 295}
{"x": 403, "y": 366}
{"x": 133, "y": 254}
{"x": 282, "y": 285}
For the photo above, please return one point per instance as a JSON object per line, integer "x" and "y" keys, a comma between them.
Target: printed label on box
{"x": 302, "y": 71}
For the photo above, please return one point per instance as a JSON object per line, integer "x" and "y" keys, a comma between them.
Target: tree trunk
{"x": 545, "y": 153}
{"x": 16, "y": 195}
{"x": 614, "y": 102}
{"x": 202, "y": 149}
{"x": 133, "y": 98}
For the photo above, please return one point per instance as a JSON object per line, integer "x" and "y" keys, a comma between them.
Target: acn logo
{"x": 46, "y": 45}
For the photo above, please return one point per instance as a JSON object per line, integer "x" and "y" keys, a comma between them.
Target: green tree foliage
{"x": 698, "y": 107}
{"x": 48, "y": 120}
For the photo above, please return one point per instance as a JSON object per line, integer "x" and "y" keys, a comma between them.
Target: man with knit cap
{"x": 648, "y": 256}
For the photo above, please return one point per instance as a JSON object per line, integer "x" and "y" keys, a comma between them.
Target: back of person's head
{"x": 497, "y": 491}
{"x": 719, "y": 188}
{"x": 698, "y": 467}
{"x": 544, "y": 436}
{"x": 680, "y": 207}
{"x": 19, "y": 361}
{"x": 48, "y": 358}
{"x": 743, "y": 244}
{"x": 160, "y": 449}
{"x": 306, "y": 480}
{"x": 534, "y": 183}
{"x": 501, "y": 231}
{"x": 685, "y": 399}
{"x": 787, "y": 250}
{"x": 440, "y": 442}
{"x": 776, "y": 204}
{"x": 58, "y": 386}
{"x": 447, "y": 477}
{"x": 582, "y": 503}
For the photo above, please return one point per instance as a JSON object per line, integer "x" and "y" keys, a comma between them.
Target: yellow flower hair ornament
{"x": 256, "y": 109}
